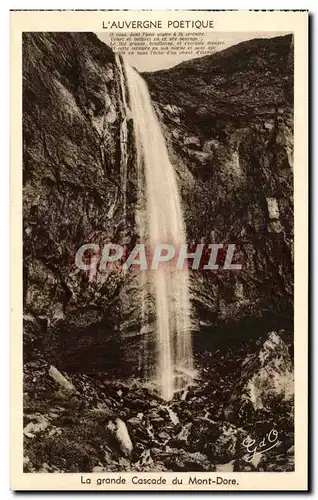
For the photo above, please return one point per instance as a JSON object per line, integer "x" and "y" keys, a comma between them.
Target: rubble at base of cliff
{"x": 80, "y": 423}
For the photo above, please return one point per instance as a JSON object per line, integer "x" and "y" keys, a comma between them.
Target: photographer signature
{"x": 255, "y": 450}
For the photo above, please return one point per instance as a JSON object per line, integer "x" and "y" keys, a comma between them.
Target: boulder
{"x": 37, "y": 425}
{"x": 119, "y": 432}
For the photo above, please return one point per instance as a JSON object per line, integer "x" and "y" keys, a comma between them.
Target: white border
{"x": 4, "y": 198}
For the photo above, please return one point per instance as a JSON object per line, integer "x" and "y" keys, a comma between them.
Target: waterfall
{"x": 161, "y": 221}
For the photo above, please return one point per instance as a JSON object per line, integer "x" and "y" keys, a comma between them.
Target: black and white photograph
{"x": 158, "y": 252}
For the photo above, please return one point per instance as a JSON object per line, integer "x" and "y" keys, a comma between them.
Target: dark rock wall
{"x": 72, "y": 191}
{"x": 228, "y": 124}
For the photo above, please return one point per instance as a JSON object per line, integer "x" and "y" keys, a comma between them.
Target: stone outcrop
{"x": 113, "y": 426}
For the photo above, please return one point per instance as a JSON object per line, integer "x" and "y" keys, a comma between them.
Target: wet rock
{"x": 138, "y": 404}
{"x": 156, "y": 451}
{"x": 164, "y": 436}
{"x": 134, "y": 421}
{"x": 291, "y": 451}
{"x": 232, "y": 162}
{"x": 99, "y": 468}
{"x": 124, "y": 464}
{"x": 192, "y": 141}
{"x": 224, "y": 447}
{"x": 219, "y": 155}
{"x": 279, "y": 463}
{"x": 181, "y": 439}
{"x": 273, "y": 377}
{"x": 158, "y": 422}
{"x": 35, "y": 427}
{"x": 187, "y": 416}
{"x": 247, "y": 468}
{"x": 101, "y": 413}
{"x": 80, "y": 436}
{"x": 173, "y": 416}
{"x": 154, "y": 401}
{"x": 241, "y": 163}
{"x": 229, "y": 467}
{"x": 145, "y": 462}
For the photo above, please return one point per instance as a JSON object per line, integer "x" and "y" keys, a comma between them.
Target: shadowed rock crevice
{"x": 228, "y": 124}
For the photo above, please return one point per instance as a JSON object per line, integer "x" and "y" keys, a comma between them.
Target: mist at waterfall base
{"x": 161, "y": 220}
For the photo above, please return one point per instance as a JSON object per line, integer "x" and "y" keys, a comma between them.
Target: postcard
{"x": 159, "y": 242}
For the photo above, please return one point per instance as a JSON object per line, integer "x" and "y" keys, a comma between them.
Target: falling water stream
{"x": 161, "y": 222}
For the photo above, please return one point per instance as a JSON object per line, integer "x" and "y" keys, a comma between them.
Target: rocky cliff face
{"x": 228, "y": 124}
{"x": 72, "y": 192}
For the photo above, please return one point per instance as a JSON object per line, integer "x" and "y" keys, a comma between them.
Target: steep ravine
{"x": 227, "y": 120}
